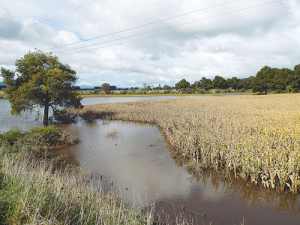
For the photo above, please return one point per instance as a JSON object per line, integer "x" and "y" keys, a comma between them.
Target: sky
{"x": 128, "y": 43}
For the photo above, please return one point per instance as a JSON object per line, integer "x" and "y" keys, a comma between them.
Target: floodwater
{"x": 137, "y": 160}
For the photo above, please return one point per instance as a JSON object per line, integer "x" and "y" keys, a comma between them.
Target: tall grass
{"x": 36, "y": 193}
{"x": 34, "y": 190}
{"x": 254, "y": 137}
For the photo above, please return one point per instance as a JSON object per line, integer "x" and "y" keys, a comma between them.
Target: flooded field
{"x": 136, "y": 159}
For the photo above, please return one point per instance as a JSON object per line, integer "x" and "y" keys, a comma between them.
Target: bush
{"x": 11, "y": 137}
{"x": 37, "y": 140}
{"x": 63, "y": 116}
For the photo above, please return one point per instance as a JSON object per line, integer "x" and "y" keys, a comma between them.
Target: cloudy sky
{"x": 128, "y": 43}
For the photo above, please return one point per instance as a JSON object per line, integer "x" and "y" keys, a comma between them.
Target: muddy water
{"x": 136, "y": 158}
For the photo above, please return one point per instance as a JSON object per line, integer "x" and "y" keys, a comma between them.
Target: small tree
{"x": 40, "y": 80}
{"x": 166, "y": 87}
{"x": 106, "y": 88}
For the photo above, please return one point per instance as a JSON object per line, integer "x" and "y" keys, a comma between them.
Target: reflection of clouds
{"x": 151, "y": 171}
{"x": 211, "y": 193}
{"x": 129, "y": 160}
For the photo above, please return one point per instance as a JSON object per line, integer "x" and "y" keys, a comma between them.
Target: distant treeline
{"x": 266, "y": 80}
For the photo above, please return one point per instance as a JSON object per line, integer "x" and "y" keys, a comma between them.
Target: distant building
{"x": 113, "y": 88}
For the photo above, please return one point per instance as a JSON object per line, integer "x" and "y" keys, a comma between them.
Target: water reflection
{"x": 31, "y": 119}
{"x": 136, "y": 157}
{"x": 25, "y": 121}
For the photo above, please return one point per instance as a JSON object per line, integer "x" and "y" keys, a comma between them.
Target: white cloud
{"x": 237, "y": 47}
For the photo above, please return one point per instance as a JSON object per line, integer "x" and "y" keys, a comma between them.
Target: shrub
{"x": 64, "y": 116}
{"x": 38, "y": 141}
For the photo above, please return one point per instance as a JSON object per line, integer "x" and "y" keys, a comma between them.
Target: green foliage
{"x": 40, "y": 80}
{"x": 106, "y": 88}
{"x": 205, "y": 84}
{"x": 96, "y": 91}
{"x": 11, "y": 137}
{"x": 219, "y": 83}
{"x": 277, "y": 80}
{"x": 166, "y": 87}
{"x": 36, "y": 140}
{"x": 182, "y": 85}
{"x": 233, "y": 83}
{"x": 63, "y": 116}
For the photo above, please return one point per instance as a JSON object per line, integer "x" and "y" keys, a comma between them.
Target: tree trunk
{"x": 46, "y": 113}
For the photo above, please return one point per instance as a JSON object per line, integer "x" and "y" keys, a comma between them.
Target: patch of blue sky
{"x": 51, "y": 24}
{"x": 81, "y": 38}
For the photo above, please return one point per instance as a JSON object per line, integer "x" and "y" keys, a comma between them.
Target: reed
{"x": 254, "y": 137}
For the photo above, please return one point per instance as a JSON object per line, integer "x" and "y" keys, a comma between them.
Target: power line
{"x": 166, "y": 28}
{"x": 144, "y": 25}
{"x": 172, "y": 27}
{"x": 136, "y": 27}
{"x": 223, "y": 21}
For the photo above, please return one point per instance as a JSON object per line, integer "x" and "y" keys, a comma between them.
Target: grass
{"x": 35, "y": 190}
{"x": 254, "y": 137}
{"x": 36, "y": 193}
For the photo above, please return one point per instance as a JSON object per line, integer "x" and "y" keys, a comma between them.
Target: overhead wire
{"x": 148, "y": 24}
{"x": 166, "y": 28}
{"x": 136, "y": 27}
{"x": 130, "y": 41}
{"x": 223, "y": 21}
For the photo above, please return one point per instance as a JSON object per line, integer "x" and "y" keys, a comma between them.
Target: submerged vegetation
{"x": 254, "y": 137}
{"x": 33, "y": 190}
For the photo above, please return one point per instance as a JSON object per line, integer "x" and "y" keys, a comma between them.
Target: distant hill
{"x": 1, "y": 84}
{"x": 86, "y": 87}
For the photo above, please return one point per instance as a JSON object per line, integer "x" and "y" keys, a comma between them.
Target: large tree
{"x": 40, "y": 80}
{"x": 219, "y": 83}
{"x": 264, "y": 80}
{"x": 205, "y": 84}
{"x": 182, "y": 85}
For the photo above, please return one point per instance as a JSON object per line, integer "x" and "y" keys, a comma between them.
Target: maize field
{"x": 254, "y": 137}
